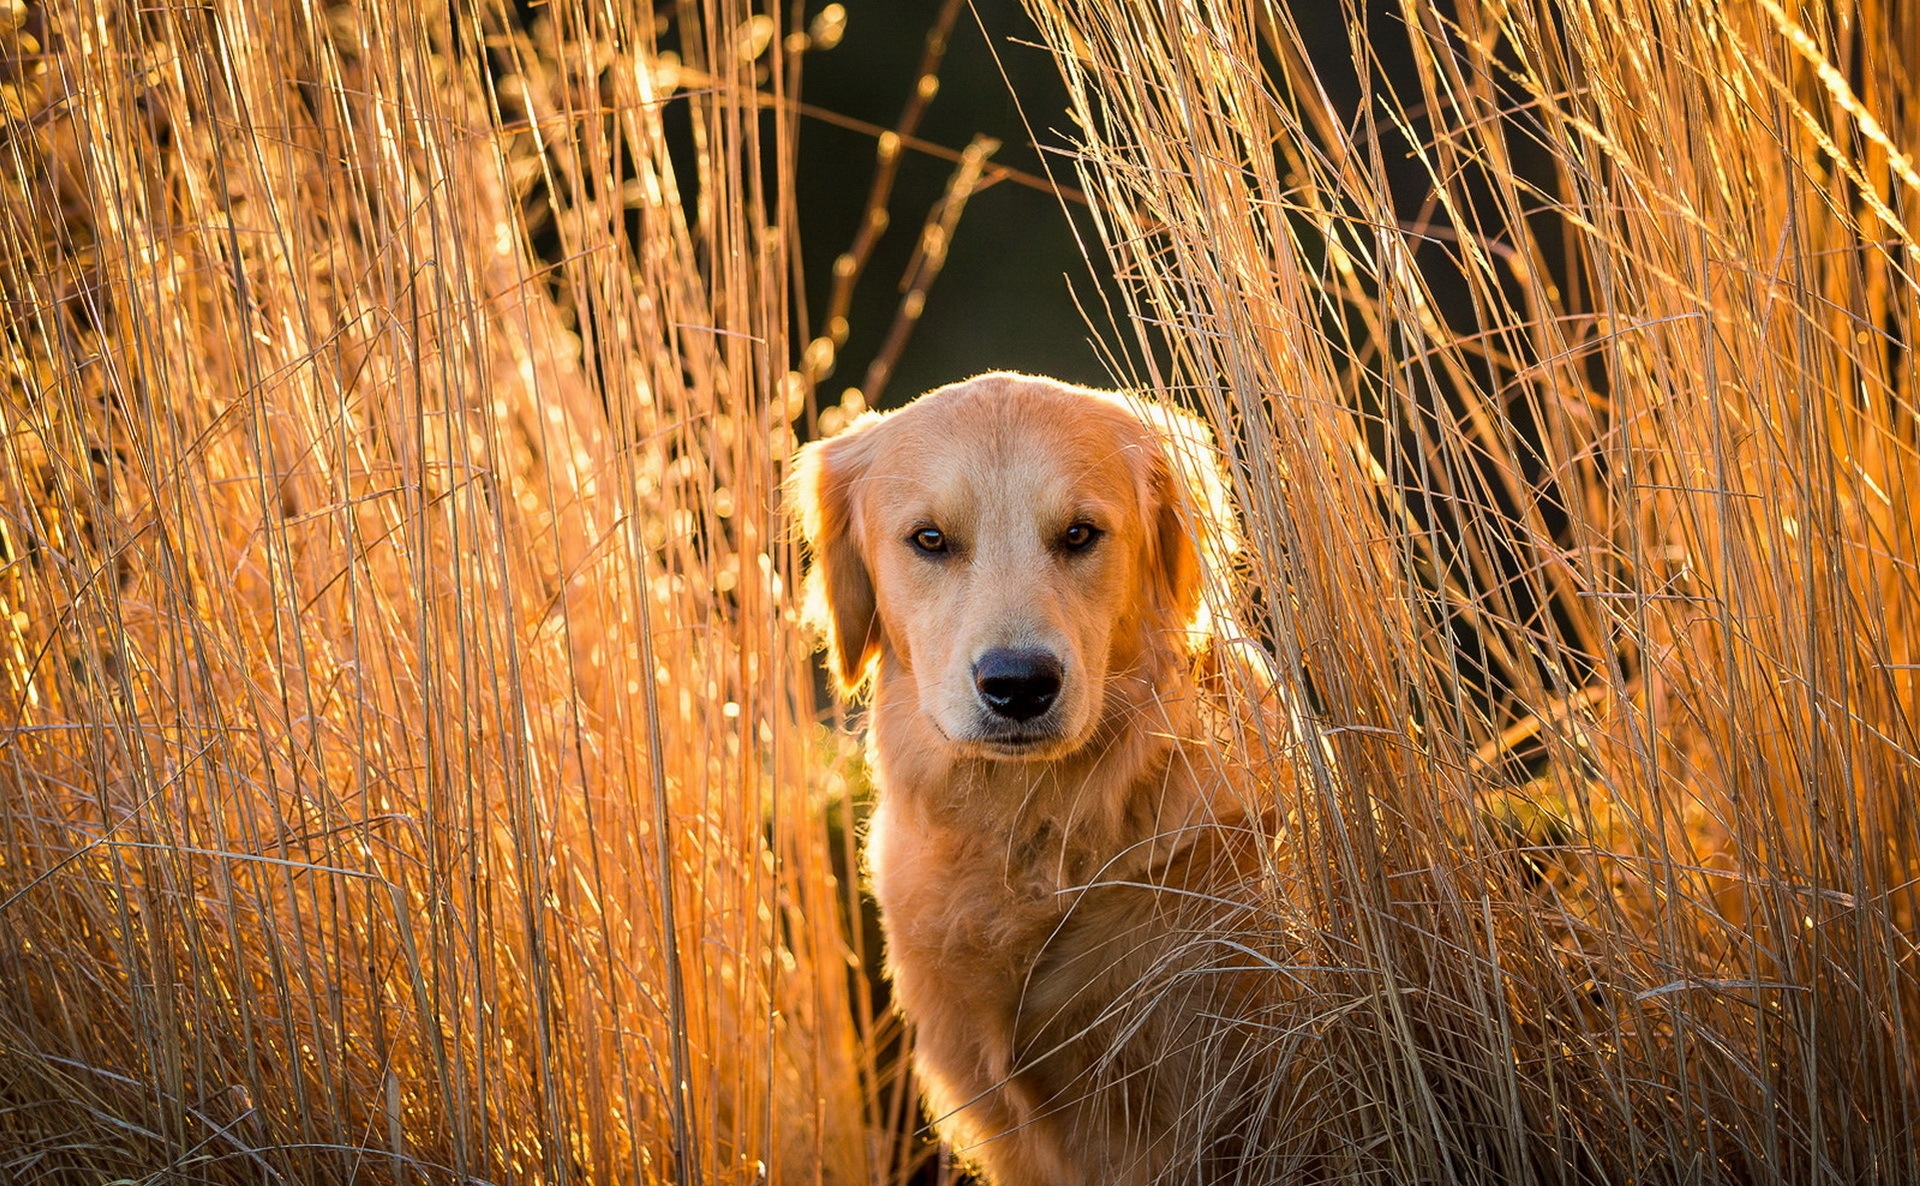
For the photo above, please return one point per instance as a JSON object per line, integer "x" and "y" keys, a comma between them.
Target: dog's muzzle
{"x": 1017, "y": 685}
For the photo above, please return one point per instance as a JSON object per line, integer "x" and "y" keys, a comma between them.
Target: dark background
{"x": 1006, "y": 298}
{"x": 1003, "y": 300}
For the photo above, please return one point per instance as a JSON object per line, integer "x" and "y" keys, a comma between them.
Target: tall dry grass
{"x": 407, "y": 768}
{"x": 1578, "y": 471}
{"x": 407, "y": 760}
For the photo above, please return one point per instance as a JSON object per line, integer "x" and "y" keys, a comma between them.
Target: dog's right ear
{"x": 839, "y": 599}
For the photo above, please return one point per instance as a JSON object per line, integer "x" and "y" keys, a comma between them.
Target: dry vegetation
{"x": 408, "y": 758}
{"x": 1578, "y": 482}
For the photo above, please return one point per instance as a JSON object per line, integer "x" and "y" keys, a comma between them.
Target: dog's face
{"x": 1012, "y": 543}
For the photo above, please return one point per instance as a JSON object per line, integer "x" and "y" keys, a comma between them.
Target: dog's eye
{"x": 930, "y": 539}
{"x": 1079, "y": 537}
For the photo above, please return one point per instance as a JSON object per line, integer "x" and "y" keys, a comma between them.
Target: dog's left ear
{"x": 1192, "y": 532}
{"x": 840, "y": 597}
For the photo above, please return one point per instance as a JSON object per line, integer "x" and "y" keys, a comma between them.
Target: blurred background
{"x": 1026, "y": 286}
{"x": 1007, "y": 296}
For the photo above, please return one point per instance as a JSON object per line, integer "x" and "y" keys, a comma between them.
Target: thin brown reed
{"x": 1566, "y": 381}
{"x": 407, "y": 760}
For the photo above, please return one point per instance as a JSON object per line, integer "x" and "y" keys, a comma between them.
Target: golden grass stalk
{"x": 407, "y": 743}
{"x": 1576, "y": 473}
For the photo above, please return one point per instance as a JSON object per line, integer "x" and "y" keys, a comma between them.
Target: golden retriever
{"x": 1013, "y": 568}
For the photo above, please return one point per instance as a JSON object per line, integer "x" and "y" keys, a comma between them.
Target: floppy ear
{"x": 1175, "y": 559}
{"x": 839, "y": 599}
{"x": 1192, "y": 532}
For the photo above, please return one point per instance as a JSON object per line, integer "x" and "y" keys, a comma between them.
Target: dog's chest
{"x": 949, "y": 894}
{"x": 966, "y": 917}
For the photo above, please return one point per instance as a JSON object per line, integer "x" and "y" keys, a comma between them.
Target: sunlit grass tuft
{"x": 1570, "y": 403}
{"x": 408, "y": 768}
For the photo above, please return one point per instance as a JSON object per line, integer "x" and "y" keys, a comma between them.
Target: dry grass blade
{"x": 929, "y": 256}
{"x": 1584, "y": 349}
{"x": 407, "y": 739}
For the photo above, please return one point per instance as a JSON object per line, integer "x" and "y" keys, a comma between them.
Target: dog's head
{"x": 1012, "y": 543}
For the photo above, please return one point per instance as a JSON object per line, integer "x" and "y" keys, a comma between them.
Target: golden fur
{"x": 1047, "y": 884}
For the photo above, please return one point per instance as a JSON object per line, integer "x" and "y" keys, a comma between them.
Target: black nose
{"x": 1018, "y": 685}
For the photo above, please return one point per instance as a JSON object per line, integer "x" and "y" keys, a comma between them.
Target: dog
{"x": 1012, "y": 568}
